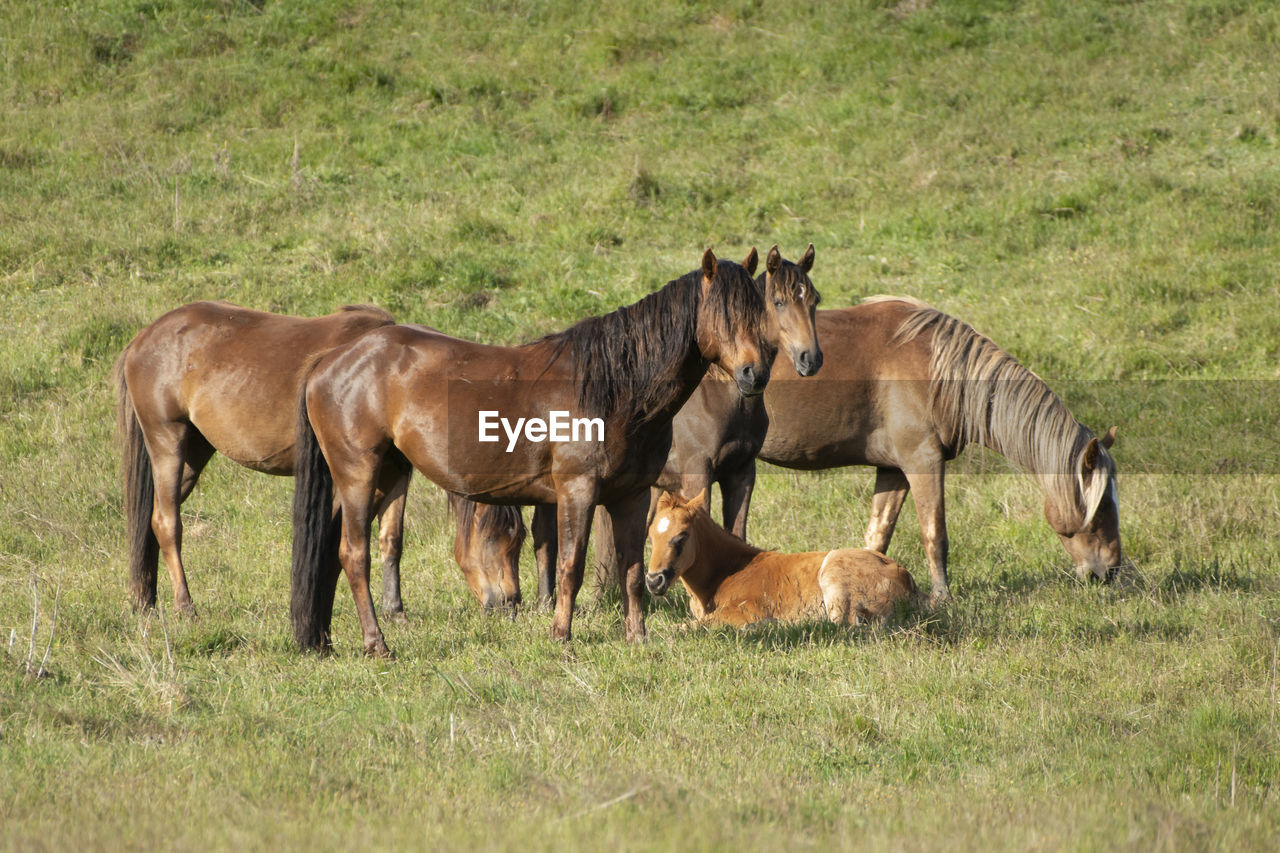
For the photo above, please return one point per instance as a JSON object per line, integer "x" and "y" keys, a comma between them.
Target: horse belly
{"x": 247, "y": 415}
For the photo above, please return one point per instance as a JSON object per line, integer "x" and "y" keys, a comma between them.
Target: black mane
{"x": 630, "y": 359}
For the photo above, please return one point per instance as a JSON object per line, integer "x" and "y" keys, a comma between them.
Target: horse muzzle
{"x": 1097, "y": 572}
{"x": 807, "y": 361}
{"x": 494, "y": 598}
{"x": 751, "y": 381}
{"x": 658, "y": 582}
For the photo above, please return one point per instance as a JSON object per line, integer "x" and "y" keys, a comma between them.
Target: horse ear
{"x": 806, "y": 263}
{"x": 1090, "y": 458}
{"x": 773, "y": 260}
{"x": 699, "y": 501}
{"x": 751, "y": 261}
{"x": 1109, "y": 439}
{"x": 666, "y": 501}
{"x": 708, "y": 270}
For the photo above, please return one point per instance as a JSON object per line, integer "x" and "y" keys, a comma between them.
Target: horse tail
{"x": 139, "y": 493}
{"x": 315, "y": 529}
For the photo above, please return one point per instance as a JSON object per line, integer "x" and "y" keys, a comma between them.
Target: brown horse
{"x": 733, "y": 583}
{"x": 705, "y": 451}
{"x": 404, "y": 396}
{"x": 487, "y": 547}
{"x": 906, "y": 389}
{"x": 210, "y": 377}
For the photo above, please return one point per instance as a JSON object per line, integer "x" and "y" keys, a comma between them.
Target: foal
{"x": 733, "y": 583}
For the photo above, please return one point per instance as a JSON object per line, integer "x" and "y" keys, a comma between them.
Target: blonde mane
{"x": 981, "y": 394}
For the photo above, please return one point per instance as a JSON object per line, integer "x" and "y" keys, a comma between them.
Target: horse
{"x": 486, "y": 545}
{"x": 720, "y": 448}
{"x": 733, "y": 583}
{"x": 403, "y": 397}
{"x": 209, "y": 377}
{"x": 908, "y": 387}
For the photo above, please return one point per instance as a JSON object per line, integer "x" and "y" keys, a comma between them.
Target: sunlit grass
{"x": 1092, "y": 184}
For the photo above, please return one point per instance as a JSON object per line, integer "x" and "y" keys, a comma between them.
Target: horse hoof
{"x": 396, "y": 615}
{"x": 379, "y": 650}
{"x": 939, "y": 598}
{"x": 188, "y": 611}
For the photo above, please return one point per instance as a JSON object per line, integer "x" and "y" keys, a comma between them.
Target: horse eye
{"x": 778, "y": 303}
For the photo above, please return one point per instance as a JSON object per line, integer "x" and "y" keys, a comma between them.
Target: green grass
{"x": 1093, "y": 184}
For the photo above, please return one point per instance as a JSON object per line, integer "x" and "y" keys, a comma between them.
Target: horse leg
{"x": 735, "y": 490}
{"x": 199, "y": 452}
{"x": 545, "y": 552}
{"x": 891, "y": 490}
{"x": 607, "y": 560}
{"x": 394, "y": 486}
{"x": 356, "y": 497}
{"x": 628, "y": 529}
{"x": 574, "y": 502}
{"x": 926, "y": 481}
{"x": 168, "y": 447}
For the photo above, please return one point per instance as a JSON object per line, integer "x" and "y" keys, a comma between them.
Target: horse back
{"x": 774, "y": 585}
{"x": 234, "y": 373}
{"x": 858, "y": 583}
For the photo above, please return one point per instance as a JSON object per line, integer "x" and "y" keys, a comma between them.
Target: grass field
{"x": 1096, "y": 185}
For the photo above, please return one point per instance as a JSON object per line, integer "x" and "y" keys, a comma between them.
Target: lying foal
{"x": 733, "y": 583}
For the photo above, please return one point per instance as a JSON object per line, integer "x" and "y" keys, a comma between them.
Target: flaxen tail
{"x": 315, "y": 538}
{"x": 139, "y": 494}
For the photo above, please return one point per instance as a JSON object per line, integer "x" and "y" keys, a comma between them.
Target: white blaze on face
{"x": 663, "y": 524}
{"x": 802, "y": 292}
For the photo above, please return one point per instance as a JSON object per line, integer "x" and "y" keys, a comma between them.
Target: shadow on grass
{"x": 209, "y": 643}
{"x": 1211, "y": 575}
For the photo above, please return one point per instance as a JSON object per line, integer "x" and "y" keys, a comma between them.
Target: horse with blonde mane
{"x": 733, "y": 583}
{"x": 906, "y": 389}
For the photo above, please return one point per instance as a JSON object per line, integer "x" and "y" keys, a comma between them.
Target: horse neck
{"x": 719, "y": 555}
{"x": 983, "y": 395}
{"x": 668, "y": 399}
{"x": 1034, "y": 430}
{"x": 640, "y": 363}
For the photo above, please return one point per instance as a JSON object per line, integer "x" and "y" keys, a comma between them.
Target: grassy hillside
{"x": 1095, "y": 185}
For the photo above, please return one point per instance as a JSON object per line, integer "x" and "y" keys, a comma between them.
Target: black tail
{"x": 315, "y": 538}
{"x": 139, "y": 495}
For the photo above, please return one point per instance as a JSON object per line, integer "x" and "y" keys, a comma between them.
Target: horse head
{"x": 674, "y": 543}
{"x": 1090, "y": 529}
{"x": 792, "y": 301}
{"x": 487, "y": 549}
{"x": 733, "y": 323}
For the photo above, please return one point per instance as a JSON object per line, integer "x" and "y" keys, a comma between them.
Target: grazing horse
{"x": 404, "y": 396}
{"x": 907, "y": 387}
{"x": 487, "y": 546}
{"x": 733, "y": 583}
{"x": 210, "y": 377}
